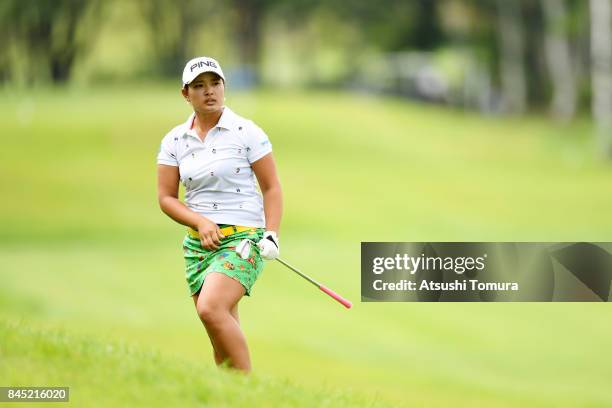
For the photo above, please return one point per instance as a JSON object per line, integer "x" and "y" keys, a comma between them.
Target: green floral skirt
{"x": 199, "y": 262}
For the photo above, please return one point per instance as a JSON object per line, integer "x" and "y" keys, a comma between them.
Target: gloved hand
{"x": 268, "y": 246}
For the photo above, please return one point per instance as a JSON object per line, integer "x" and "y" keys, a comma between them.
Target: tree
{"x": 249, "y": 23}
{"x": 394, "y": 25}
{"x": 49, "y": 34}
{"x": 249, "y": 35}
{"x": 601, "y": 72}
{"x": 559, "y": 59}
{"x": 172, "y": 29}
{"x": 537, "y": 76}
{"x": 512, "y": 65}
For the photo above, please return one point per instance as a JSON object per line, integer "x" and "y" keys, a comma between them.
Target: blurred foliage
{"x": 43, "y": 37}
{"x": 477, "y": 54}
{"x": 171, "y": 29}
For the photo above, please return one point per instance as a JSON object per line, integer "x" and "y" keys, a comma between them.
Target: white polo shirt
{"x": 219, "y": 181}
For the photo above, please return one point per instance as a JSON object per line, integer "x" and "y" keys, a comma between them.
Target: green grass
{"x": 85, "y": 250}
{"x": 103, "y": 374}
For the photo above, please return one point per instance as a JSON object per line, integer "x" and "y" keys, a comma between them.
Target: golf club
{"x": 244, "y": 249}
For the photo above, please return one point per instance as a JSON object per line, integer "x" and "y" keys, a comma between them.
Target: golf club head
{"x": 244, "y": 248}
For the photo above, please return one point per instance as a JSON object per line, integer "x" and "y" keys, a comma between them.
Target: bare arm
{"x": 167, "y": 195}
{"x": 265, "y": 171}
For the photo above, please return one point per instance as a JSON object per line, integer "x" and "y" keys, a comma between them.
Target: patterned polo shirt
{"x": 219, "y": 181}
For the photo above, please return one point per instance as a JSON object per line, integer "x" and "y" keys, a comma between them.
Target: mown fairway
{"x": 84, "y": 248}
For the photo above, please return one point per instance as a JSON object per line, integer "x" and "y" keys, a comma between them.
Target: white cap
{"x": 198, "y": 65}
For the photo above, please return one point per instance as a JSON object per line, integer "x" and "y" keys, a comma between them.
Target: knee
{"x": 210, "y": 314}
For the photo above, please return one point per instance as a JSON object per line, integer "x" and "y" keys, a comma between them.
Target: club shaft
{"x": 308, "y": 278}
{"x": 346, "y": 303}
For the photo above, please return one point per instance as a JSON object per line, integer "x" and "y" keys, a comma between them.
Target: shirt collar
{"x": 226, "y": 121}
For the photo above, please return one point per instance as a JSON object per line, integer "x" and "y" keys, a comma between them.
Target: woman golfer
{"x": 218, "y": 155}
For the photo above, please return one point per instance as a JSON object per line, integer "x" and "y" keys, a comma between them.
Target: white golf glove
{"x": 268, "y": 246}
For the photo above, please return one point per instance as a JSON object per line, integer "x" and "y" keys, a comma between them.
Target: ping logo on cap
{"x": 200, "y": 64}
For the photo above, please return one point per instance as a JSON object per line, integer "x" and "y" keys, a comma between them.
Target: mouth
{"x": 210, "y": 101}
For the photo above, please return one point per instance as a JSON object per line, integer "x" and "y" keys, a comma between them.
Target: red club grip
{"x": 336, "y": 296}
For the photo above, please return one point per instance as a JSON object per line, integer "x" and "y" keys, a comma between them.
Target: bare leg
{"x": 233, "y": 312}
{"x": 217, "y": 306}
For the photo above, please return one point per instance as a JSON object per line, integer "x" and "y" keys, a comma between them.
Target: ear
{"x": 185, "y": 92}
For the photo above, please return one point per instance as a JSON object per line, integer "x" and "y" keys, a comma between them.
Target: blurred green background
{"x": 400, "y": 122}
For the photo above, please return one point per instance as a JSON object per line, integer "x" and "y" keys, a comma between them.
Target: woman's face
{"x": 206, "y": 93}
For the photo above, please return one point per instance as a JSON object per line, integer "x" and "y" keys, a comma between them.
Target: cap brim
{"x": 203, "y": 72}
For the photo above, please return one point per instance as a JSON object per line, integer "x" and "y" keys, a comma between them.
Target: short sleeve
{"x": 258, "y": 144}
{"x": 167, "y": 151}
